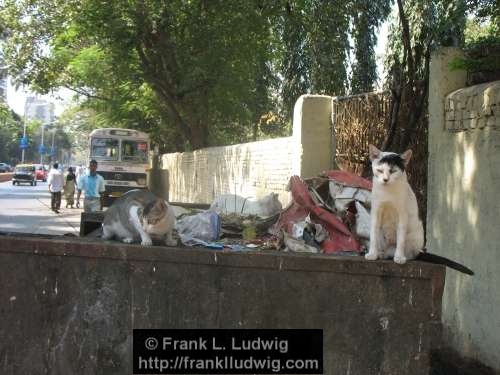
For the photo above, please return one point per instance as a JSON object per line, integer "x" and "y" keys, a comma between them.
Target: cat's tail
{"x": 436, "y": 259}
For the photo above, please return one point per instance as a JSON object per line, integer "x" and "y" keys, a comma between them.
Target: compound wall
{"x": 258, "y": 168}
{"x": 463, "y": 215}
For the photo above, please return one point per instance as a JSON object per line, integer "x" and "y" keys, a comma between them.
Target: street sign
{"x": 23, "y": 143}
{"x": 42, "y": 149}
{"x": 52, "y": 151}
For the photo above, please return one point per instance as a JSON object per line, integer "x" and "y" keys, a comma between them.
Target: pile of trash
{"x": 328, "y": 214}
{"x": 231, "y": 221}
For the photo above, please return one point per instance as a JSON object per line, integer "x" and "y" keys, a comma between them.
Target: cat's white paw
{"x": 170, "y": 242}
{"x": 106, "y": 236}
{"x": 128, "y": 240}
{"x": 146, "y": 242}
{"x": 399, "y": 259}
{"x": 371, "y": 256}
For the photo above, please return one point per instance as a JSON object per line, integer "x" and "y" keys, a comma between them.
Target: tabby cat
{"x": 139, "y": 215}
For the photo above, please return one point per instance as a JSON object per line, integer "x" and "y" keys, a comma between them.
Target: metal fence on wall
{"x": 360, "y": 120}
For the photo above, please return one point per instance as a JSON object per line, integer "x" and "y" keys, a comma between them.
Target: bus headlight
{"x": 141, "y": 181}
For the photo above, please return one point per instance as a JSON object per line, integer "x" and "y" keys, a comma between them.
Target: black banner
{"x": 228, "y": 351}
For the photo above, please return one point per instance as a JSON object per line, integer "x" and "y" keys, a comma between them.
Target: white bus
{"x": 122, "y": 157}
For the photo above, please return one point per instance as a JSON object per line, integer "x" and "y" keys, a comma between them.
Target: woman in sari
{"x": 69, "y": 188}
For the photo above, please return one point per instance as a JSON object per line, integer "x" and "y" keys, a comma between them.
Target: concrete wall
{"x": 69, "y": 305}
{"x": 463, "y": 215}
{"x": 250, "y": 170}
{"x": 258, "y": 168}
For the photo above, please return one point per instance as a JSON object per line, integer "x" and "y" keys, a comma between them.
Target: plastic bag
{"x": 204, "y": 226}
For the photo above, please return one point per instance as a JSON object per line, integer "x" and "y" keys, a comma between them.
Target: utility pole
{"x": 52, "y": 151}
{"x": 23, "y": 140}
{"x": 42, "y": 148}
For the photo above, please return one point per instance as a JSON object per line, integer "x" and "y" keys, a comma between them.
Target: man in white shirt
{"x": 55, "y": 180}
{"x": 93, "y": 185}
{"x": 80, "y": 171}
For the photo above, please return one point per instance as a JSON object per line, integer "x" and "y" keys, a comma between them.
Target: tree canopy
{"x": 192, "y": 73}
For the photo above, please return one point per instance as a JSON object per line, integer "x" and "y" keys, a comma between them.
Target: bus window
{"x": 135, "y": 151}
{"x": 104, "y": 149}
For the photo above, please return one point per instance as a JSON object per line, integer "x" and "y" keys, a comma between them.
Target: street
{"x": 26, "y": 209}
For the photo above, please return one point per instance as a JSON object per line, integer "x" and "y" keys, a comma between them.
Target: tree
{"x": 193, "y": 73}
{"x": 199, "y": 58}
{"x": 9, "y": 138}
{"x": 410, "y": 44}
{"x": 367, "y": 17}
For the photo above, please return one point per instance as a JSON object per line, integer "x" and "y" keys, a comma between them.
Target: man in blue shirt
{"x": 94, "y": 186}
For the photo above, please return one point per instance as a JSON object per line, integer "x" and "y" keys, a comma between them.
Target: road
{"x": 26, "y": 209}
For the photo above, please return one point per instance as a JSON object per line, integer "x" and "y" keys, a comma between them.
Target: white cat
{"x": 139, "y": 215}
{"x": 230, "y": 203}
{"x": 395, "y": 229}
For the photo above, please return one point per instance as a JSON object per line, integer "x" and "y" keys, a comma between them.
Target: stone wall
{"x": 475, "y": 107}
{"x": 258, "y": 168}
{"x": 463, "y": 214}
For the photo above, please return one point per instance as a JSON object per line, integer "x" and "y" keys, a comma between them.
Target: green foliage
{"x": 485, "y": 10}
{"x": 367, "y": 17}
{"x": 10, "y": 132}
{"x": 191, "y": 73}
{"x": 482, "y": 48}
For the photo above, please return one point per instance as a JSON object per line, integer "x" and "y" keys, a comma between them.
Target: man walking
{"x": 56, "y": 183}
{"x": 94, "y": 186}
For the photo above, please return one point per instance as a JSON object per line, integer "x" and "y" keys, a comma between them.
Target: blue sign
{"x": 52, "y": 151}
{"x": 41, "y": 149}
{"x": 23, "y": 144}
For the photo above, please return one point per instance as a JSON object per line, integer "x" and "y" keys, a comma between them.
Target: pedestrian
{"x": 69, "y": 188}
{"x": 55, "y": 180}
{"x": 93, "y": 185}
{"x": 80, "y": 171}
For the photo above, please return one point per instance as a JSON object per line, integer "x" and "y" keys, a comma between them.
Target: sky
{"x": 17, "y": 97}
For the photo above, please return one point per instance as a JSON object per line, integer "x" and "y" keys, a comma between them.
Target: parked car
{"x": 4, "y": 167}
{"x": 41, "y": 172}
{"x": 24, "y": 173}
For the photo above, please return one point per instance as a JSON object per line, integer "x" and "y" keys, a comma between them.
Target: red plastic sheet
{"x": 348, "y": 179}
{"x": 340, "y": 237}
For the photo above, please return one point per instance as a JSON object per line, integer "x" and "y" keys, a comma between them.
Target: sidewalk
{"x": 40, "y": 220}
{"x": 30, "y": 213}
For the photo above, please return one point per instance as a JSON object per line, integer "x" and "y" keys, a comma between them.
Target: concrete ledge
{"x": 5, "y": 177}
{"x": 73, "y": 303}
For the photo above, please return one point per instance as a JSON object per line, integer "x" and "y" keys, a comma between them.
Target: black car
{"x": 24, "y": 173}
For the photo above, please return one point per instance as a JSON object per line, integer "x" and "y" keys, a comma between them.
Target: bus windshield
{"x": 135, "y": 151}
{"x": 104, "y": 149}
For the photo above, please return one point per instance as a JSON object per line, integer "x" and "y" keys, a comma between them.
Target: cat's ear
{"x": 160, "y": 204}
{"x": 406, "y": 156}
{"x": 374, "y": 152}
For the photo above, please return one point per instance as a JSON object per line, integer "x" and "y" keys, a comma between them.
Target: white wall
{"x": 463, "y": 215}
{"x": 257, "y": 168}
